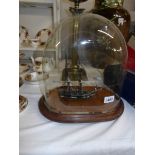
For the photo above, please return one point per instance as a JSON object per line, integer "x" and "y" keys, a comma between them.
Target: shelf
{"x": 36, "y": 15}
{"x": 30, "y": 48}
{"x": 37, "y": 1}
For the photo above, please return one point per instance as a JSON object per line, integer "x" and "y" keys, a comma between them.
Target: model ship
{"x": 75, "y": 92}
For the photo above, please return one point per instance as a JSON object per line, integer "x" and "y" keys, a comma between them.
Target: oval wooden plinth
{"x": 81, "y": 118}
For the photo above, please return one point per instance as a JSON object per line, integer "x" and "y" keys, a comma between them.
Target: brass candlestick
{"x": 75, "y": 72}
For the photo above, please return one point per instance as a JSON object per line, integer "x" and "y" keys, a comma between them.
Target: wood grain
{"x": 80, "y": 111}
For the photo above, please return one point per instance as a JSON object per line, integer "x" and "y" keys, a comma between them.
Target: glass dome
{"x": 85, "y": 65}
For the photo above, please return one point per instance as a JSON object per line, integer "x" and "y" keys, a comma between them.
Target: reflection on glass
{"x": 85, "y": 52}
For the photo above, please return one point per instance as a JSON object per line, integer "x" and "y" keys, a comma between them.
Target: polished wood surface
{"x": 83, "y": 110}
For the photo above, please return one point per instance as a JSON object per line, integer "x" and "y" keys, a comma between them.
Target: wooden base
{"x": 102, "y": 113}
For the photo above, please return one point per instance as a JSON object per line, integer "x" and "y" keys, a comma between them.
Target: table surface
{"x": 40, "y": 136}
